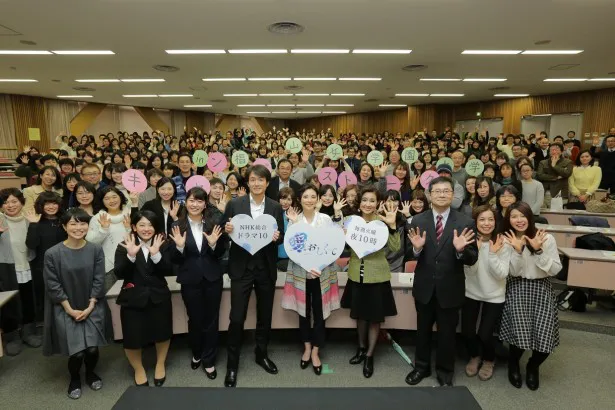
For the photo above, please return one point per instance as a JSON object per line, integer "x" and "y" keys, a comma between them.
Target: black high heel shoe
{"x": 194, "y": 365}
{"x": 146, "y": 384}
{"x": 359, "y": 356}
{"x": 514, "y": 375}
{"x": 159, "y": 382}
{"x": 368, "y": 366}
{"x": 305, "y": 363}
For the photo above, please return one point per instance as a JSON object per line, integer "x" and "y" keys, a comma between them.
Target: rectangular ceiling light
{"x": 360, "y": 79}
{"x": 392, "y": 105}
{"x": 83, "y": 52}
{"x": 312, "y": 95}
{"x": 258, "y": 112}
{"x": 446, "y": 95}
{"x": 602, "y": 79}
{"x": 283, "y": 112}
{"x": 308, "y": 112}
{"x": 347, "y": 95}
{"x": 275, "y": 95}
{"x": 198, "y": 106}
{"x": 140, "y": 96}
{"x": 24, "y": 52}
{"x": 320, "y": 51}
{"x": 280, "y": 105}
{"x": 142, "y": 80}
{"x": 101, "y": 80}
{"x": 440, "y": 79}
{"x": 175, "y": 95}
{"x": 314, "y": 78}
{"x": 334, "y": 112}
{"x": 239, "y": 95}
{"x": 491, "y": 52}
{"x": 74, "y": 96}
{"x": 564, "y": 79}
{"x": 269, "y": 79}
{"x": 224, "y": 79}
{"x": 195, "y": 51}
{"x": 250, "y": 105}
{"x": 484, "y": 79}
{"x": 340, "y": 105}
{"x": 259, "y": 51}
{"x": 552, "y": 52}
{"x": 411, "y": 95}
{"x": 17, "y": 80}
{"x": 310, "y": 105}
{"x": 511, "y": 95}
{"x": 372, "y": 51}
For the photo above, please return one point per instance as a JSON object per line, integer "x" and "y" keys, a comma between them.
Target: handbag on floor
{"x": 572, "y": 299}
{"x": 602, "y": 206}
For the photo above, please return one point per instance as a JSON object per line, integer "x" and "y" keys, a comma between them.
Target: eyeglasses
{"x": 441, "y": 192}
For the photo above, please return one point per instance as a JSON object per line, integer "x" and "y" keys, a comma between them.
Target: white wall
{"x": 562, "y": 123}
{"x": 114, "y": 118}
{"x": 534, "y": 125}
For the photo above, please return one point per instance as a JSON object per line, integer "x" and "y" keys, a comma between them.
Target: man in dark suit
{"x": 542, "y": 149}
{"x": 442, "y": 242}
{"x": 247, "y": 272}
{"x": 284, "y": 169}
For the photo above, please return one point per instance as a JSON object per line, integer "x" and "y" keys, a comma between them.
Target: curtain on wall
{"x": 59, "y": 115}
{"x": 178, "y": 122}
{"x": 8, "y": 147}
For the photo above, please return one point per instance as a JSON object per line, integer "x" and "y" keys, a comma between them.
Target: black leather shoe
{"x": 532, "y": 379}
{"x": 416, "y": 376}
{"x": 368, "y": 366}
{"x": 305, "y": 363}
{"x": 212, "y": 375}
{"x": 146, "y": 384}
{"x": 359, "y": 356}
{"x": 159, "y": 382}
{"x": 514, "y": 375}
{"x": 445, "y": 381}
{"x": 231, "y": 378}
{"x": 194, "y": 365}
{"x": 266, "y": 363}
{"x": 317, "y": 370}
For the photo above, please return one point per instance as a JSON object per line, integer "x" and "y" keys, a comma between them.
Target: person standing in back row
{"x": 258, "y": 271}
{"x": 442, "y": 242}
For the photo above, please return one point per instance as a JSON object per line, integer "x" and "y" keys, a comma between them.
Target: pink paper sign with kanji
{"x": 134, "y": 180}
{"x": 198, "y": 180}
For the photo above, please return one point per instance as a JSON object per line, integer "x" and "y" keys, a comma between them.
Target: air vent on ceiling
{"x": 414, "y": 67}
{"x": 611, "y": 73}
{"x": 28, "y": 42}
{"x": 293, "y": 87}
{"x": 371, "y": 100}
{"x": 217, "y": 101}
{"x": 285, "y": 27}
{"x": 499, "y": 88}
{"x": 198, "y": 88}
{"x": 56, "y": 81}
{"x": 84, "y": 89}
{"x": 166, "y": 68}
{"x": 542, "y": 42}
{"x": 562, "y": 67}
{"x": 296, "y": 109}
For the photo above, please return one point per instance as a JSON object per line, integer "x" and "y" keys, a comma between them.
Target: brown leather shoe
{"x": 486, "y": 371}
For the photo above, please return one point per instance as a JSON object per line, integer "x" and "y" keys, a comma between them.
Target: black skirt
{"x": 151, "y": 324}
{"x": 371, "y": 302}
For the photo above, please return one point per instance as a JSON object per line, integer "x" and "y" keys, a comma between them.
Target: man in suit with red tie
{"x": 442, "y": 242}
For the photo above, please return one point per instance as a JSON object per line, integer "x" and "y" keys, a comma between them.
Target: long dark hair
{"x": 58, "y": 182}
{"x": 150, "y": 216}
{"x": 327, "y": 210}
{"x": 526, "y": 210}
{"x": 506, "y": 189}
{"x": 302, "y": 190}
{"x": 161, "y": 182}
{"x": 396, "y": 196}
{"x": 486, "y": 208}
{"x": 477, "y": 199}
{"x": 367, "y": 190}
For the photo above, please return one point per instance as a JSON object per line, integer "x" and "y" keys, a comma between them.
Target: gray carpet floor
{"x": 579, "y": 375}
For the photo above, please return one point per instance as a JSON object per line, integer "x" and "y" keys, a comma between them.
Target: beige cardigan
{"x": 31, "y": 193}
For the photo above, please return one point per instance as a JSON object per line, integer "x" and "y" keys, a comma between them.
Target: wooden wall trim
{"x": 152, "y": 119}
{"x": 85, "y": 118}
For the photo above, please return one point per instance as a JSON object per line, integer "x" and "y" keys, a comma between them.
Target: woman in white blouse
{"x": 109, "y": 227}
{"x": 485, "y": 289}
{"x": 529, "y": 319}
{"x": 315, "y": 293}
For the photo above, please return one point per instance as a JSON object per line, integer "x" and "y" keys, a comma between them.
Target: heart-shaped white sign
{"x": 365, "y": 238}
{"x": 253, "y": 234}
{"x": 314, "y": 248}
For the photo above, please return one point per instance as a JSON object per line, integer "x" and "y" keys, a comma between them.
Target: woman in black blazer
{"x": 164, "y": 205}
{"x": 198, "y": 250}
{"x": 143, "y": 260}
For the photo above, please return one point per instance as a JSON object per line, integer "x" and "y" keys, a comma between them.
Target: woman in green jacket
{"x": 368, "y": 293}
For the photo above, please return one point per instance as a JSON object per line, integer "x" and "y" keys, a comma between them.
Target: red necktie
{"x": 439, "y": 228}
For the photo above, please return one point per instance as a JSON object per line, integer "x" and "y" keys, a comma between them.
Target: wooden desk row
{"x": 590, "y": 269}
{"x": 281, "y": 318}
{"x": 561, "y": 217}
{"x": 565, "y": 235}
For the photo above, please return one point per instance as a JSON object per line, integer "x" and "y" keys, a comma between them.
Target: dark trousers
{"x": 481, "y": 340}
{"x": 256, "y": 278}
{"x": 203, "y": 307}
{"x": 313, "y": 308}
{"x": 39, "y": 292}
{"x": 446, "y": 319}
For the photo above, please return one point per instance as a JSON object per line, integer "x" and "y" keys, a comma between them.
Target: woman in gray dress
{"x": 75, "y": 313}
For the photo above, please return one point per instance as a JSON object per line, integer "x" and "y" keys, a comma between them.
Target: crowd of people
{"x": 76, "y": 229}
